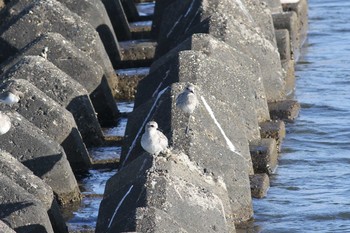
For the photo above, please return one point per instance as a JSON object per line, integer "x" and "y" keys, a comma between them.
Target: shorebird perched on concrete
{"x": 5, "y": 123}
{"x": 153, "y": 141}
{"x": 11, "y": 97}
{"x": 187, "y": 102}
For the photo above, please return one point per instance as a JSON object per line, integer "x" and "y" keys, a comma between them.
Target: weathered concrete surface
{"x": 159, "y": 8}
{"x": 51, "y": 118}
{"x": 259, "y": 16}
{"x": 264, "y": 155}
{"x": 23, "y": 177}
{"x": 289, "y": 21}
{"x": 287, "y": 61}
{"x": 199, "y": 69}
{"x": 259, "y": 185}
{"x": 286, "y": 110}
{"x": 67, "y": 57}
{"x": 118, "y": 18}
{"x": 3, "y": 227}
{"x": 61, "y": 88}
{"x": 275, "y": 6}
{"x": 289, "y": 70}
{"x": 94, "y": 12}
{"x": 216, "y": 152}
{"x": 283, "y": 44}
{"x": 273, "y": 129}
{"x": 301, "y": 8}
{"x": 41, "y": 155}
{"x": 128, "y": 81}
{"x": 171, "y": 193}
{"x": 245, "y": 69}
{"x": 51, "y": 16}
{"x": 22, "y": 211}
{"x": 141, "y": 30}
{"x": 137, "y": 53}
{"x": 91, "y": 11}
{"x": 229, "y": 22}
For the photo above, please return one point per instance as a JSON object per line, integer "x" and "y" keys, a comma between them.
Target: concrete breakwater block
{"x": 61, "y": 88}
{"x": 51, "y": 118}
{"x": 259, "y": 185}
{"x": 289, "y": 21}
{"x": 94, "y": 12}
{"x": 137, "y": 53}
{"x": 289, "y": 70}
{"x": 118, "y": 18}
{"x": 78, "y": 66}
{"x": 273, "y": 129}
{"x": 246, "y": 71}
{"x": 210, "y": 142}
{"x": 196, "y": 17}
{"x": 259, "y": 16}
{"x": 3, "y": 227}
{"x": 52, "y": 16}
{"x": 286, "y": 110}
{"x": 91, "y": 11}
{"x": 300, "y": 7}
{"x": 199, "y": 69}
{"x": 22, "y": 211}
{"x": 22, "y": 176}
{"x": 128, "y": 81}
{"x": 283, "y": 44}
{"x": 264, "y": 155}
{"x": 43, "y": 156}
{"x": 164, "y": 194}
{"x": 275, "y": 6}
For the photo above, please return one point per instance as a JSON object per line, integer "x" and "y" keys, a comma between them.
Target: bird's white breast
{"x": 5, "y": 124}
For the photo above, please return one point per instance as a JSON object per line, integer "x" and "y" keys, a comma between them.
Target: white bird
{"x": 187, "y": 100}
{"x": 5, "y": 123}
{"x": 153, "y": 141}
{"x": 11, "y": 97}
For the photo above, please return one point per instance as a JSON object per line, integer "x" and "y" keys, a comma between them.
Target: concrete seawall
{"x": 239, "y": 55}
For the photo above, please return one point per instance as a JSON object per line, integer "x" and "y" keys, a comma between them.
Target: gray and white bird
{"x": 11, "y": 97}
{"x": 187, "y": 100}
{"x": 5, "y": 123}
{"x": 153, "y": 141}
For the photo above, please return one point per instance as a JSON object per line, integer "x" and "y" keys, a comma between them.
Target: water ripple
{"x": 309, "y": 192}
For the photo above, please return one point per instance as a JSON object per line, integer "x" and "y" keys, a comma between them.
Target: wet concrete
{"x": 82, "y": 217}
{"x": 92, "y": 187}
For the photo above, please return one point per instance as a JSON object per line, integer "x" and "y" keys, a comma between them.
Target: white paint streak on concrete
{"x": 143, "y": 125}
{"x": 173, "y": 27}
{"x": 119, "y": 204}
{"x": 161, "y": 83}
{"x": 190, "y": 8}
{"x": 211, "y": 113}
{"x": 244, "y": 9}
{"x": 190, "y": 23}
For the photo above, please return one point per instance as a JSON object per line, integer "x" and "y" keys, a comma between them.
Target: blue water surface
{"x": 310, "y": 191}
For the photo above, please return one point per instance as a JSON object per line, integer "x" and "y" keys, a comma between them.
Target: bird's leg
{"x": 187, "y": 130}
